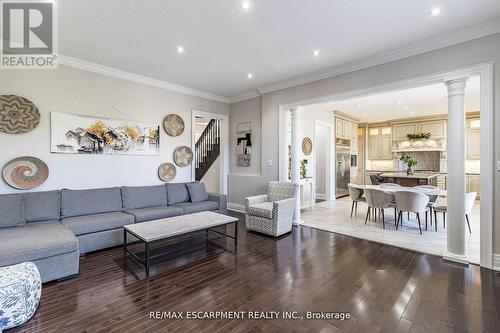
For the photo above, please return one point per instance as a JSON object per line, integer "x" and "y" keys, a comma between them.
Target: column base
{"x": 462, "y": 259}
{"x": 297, "y": 222}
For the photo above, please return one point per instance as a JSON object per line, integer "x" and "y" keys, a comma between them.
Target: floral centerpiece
{"x": 410, "y": 162}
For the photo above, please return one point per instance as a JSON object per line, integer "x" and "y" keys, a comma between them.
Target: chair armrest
{"x": 221, "y": 199}
{"x": 284, "y": 206}
{"x": 255, "y": 200}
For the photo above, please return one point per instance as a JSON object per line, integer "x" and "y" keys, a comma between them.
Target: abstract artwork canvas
{"x": 75, "y": 134}
{"x": 243, "y": 144}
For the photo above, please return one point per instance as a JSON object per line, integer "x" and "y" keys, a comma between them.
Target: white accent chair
{"x": 356, "y": 195}
{"x": 470, "y": 198}
{"x": 378, "y": 199}
{"x": 433, "y": 199}
{"x": 411, "y": 202}
{"x": 272, "y": 213}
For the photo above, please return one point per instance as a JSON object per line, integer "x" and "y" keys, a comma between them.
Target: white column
{"x": 295, "y": 163}
{"x": 455, "y": 221}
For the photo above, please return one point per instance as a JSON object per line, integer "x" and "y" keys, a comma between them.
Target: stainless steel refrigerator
{"x": 342, "y": 167}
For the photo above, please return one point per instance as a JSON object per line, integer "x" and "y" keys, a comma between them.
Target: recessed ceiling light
{"x": 316, "y": 53}
{"x": 435, "y": 11}
{"x": 406, "y": 108}
{"x": 411, "y": 112}
{"x": 399, "y": 103}
{"x": 249, "y": 75}
{"x": 246, "y": 5}
{"x": 180, "y": 49}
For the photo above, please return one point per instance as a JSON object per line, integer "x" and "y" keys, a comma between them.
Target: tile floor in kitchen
{"x": 335, "y": 216}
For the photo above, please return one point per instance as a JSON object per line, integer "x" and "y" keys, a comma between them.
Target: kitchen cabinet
{"x": 345, "y": 129}
{"x": 379, "y": 143}
{"x": 473, "y": 139}
{"x": 441, "y": 181}
{"x": 473, "y": 184}
{"x": 401, "y": 130}
{"x": 437, "y": 128}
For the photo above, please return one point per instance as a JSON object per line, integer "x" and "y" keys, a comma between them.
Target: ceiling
{"x": 415, "y": 102}
{"x": 274, "y": 40}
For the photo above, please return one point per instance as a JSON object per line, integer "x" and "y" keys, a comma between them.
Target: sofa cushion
{"x": 154, "y": 213}
{"x": 191, "y": 207}
{"x": 197, "y": 192}
{"x": 94, "y": 201}
{"x": 264, "y": 209}
{"x": 42, "y": 206}
{"x": 35, "y": 241}
{"x": 11, "y": 210}
{"x": 87, "y": 224}
{"x": 177, "y": 192}
{"x": 144, "y": 196}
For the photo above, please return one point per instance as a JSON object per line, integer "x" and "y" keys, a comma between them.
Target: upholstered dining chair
{"x": 376, "y": 179}
{"x": 378, "y": 199}
{"x": 272, "y": 213}
{"x": 470, "y": 198}
{"x": 393, "y": 186}
{"x": 412, "y": 202}
{"x": 433, "y": 199}
{"x": 356, "y": 195}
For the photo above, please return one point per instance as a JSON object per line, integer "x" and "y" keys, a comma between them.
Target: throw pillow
{"x": 11, "y": 210}
{"x": 197, "y": 192}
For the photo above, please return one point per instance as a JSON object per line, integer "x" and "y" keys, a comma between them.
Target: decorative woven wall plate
{"x": 25, "y": 172}
{"x": 307, "y": 146}
{"x": 17, "y": 114}
{"x": 183, "y": 156}
{"x": 173, "y": 125}
{"x": 167, "y": 171}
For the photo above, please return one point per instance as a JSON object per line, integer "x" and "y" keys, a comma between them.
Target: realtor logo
{"x": 29, "y": 37}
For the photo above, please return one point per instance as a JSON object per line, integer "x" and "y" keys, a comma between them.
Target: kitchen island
{"x": 418, "y": 178}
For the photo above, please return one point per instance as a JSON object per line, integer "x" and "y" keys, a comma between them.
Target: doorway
{"x": 323, "y": 160}
{"x": 210, "y": 148}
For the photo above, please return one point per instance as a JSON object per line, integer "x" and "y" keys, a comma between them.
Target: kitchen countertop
{"x": 404, "y": 175}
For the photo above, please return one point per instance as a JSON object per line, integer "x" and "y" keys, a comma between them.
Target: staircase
{"x": 207, "y": 148}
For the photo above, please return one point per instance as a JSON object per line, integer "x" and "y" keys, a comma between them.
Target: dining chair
{"x": 378, "y": 199}
{"x": 433, "y": 199}
{"x": 393, "y": 186}
{"x": 356, "y": 195}
{"x": 411, "y": 201}
{"x": 470, "y": 198}
{"x": 376, "y": 179}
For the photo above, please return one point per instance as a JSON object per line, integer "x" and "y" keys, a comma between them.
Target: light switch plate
{"x": 269, "y": 163}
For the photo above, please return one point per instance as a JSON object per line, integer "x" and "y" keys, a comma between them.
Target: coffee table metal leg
{"x": 235, "y": 235}
{"x": 124, "y": 242}
{"x": 147, "y": 259}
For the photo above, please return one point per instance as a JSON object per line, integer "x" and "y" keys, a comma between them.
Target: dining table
{"x": 392, "y": 189}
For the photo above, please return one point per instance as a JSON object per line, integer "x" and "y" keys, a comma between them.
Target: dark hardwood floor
{"x": 386, "y": 289}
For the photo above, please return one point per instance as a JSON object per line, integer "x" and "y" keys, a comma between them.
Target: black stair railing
{"x": 207, "y": 148}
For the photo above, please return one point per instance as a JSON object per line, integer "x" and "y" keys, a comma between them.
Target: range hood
{"x": 419, "y": 145}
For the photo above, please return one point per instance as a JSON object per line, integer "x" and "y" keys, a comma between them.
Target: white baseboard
{"x": 456, "y": 258}
{"x": 496, "y": 262}
{"x": 236, "y": 207}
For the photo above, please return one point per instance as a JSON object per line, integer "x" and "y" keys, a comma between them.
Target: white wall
{"x": 322, "y": 137}
{"x": 481, "y": 50}
{"x": 75, "y": 91}
{"x": 212, "y": 178}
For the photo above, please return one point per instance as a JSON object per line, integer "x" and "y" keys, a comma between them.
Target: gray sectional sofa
{"x": 53, "y": 228}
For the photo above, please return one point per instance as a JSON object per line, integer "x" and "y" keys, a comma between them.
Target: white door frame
{"x": 224, "y": 146}
{"x": 328, "y": 158}
{"x": 485, "y": 72}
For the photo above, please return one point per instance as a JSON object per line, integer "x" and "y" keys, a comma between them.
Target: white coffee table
{"x": 160, "y": 230}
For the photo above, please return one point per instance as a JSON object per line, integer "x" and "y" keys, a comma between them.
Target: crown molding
{"x": 117, "y": 73}
{"x": 407, "y": 51}
{"x": 245, "y": 96}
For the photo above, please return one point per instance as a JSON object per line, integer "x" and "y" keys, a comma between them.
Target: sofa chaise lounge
{"x": 53, "y": 228}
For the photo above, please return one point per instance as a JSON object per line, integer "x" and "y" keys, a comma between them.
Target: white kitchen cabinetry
{"x": 437, "y": 128}
{"x": 379, "y": 143}
{"x": 473, "y": 184}
{"x": 473, "y": 136}
{"x": 401, "y": 130}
